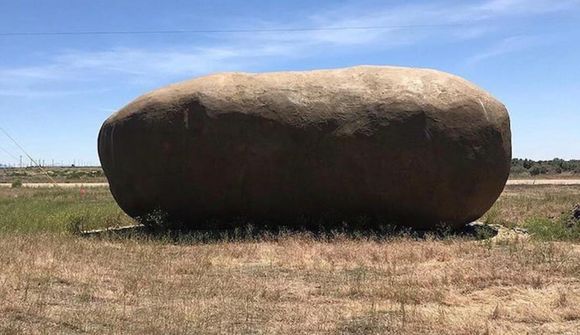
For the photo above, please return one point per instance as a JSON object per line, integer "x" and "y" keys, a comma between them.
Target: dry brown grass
{"x": 296, "y": 285}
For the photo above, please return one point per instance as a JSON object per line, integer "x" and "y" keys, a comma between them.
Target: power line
{"x": 223, "y": 31}
{"x": 27, "y": 155}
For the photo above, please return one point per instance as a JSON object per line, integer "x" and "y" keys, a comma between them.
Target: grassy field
{"x": 53, "y": 281}
{"x": 96, "y": 175}
{"x": 58, "y": 174}
{"x": 543, "y": 210}
{"x": 55, "y": 210}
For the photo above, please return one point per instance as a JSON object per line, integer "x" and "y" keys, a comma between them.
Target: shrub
{"x": 17, "y": 183}
{"x": 537, "y": 169}
{"x": 519, "y": 170}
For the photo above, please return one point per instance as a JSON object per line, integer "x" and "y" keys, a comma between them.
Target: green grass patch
{"x": 561, "y": 229}
{"x": 58, "y": 210}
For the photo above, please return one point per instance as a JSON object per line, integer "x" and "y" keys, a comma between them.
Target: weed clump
{"x": 76, "y": 224}
{"x": 159, "y": 221}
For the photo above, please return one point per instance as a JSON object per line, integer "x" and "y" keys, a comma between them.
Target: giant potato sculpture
{"x": 416, "y": 147}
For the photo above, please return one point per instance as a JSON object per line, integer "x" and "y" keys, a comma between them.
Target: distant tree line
{"x": 534, "y": 168}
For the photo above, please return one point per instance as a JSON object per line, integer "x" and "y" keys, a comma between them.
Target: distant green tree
{"x": 538, "y": 169}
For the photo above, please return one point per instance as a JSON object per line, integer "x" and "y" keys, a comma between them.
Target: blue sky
{"x": 55, "y": 91}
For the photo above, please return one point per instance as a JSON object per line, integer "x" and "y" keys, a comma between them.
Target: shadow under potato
{"x": 157, "y": 226}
